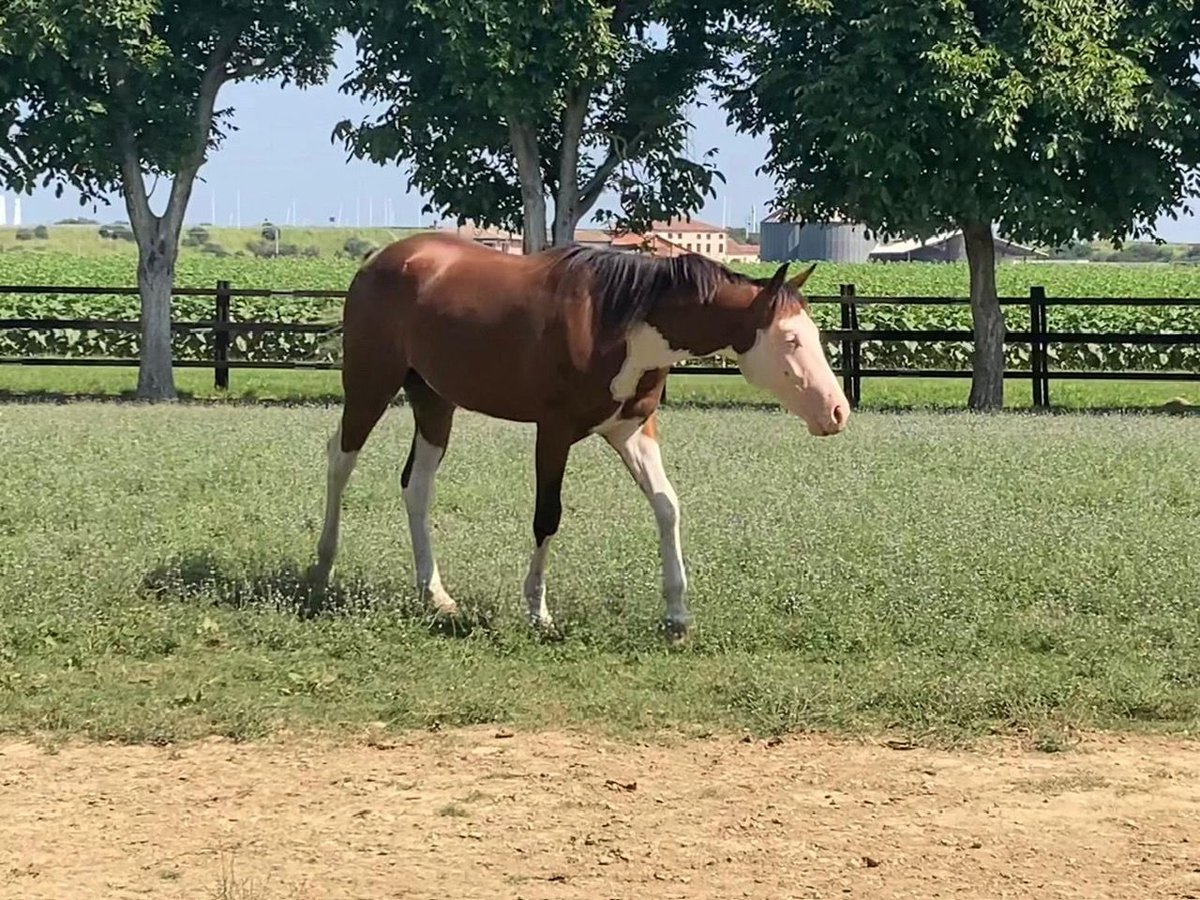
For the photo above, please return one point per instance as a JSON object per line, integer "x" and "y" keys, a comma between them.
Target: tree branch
{"x": 216, "y": 73}
{"x": 596, "y": 184}
{"x": 250, "y": 70}
{"x": 566, "y": 206}
{"x": 137, "y": 201}
{"x": 133, "y": 185}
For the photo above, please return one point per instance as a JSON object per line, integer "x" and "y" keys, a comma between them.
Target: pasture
{"x": 1022, "y": 585}
{"x": 939, "y": 652}
{"x": 940, "y": 575}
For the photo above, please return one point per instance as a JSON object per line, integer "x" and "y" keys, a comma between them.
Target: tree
{"x": 101, "y": 97}
{"x": 1041, "y": 120}
{"x": 499, "y": 107}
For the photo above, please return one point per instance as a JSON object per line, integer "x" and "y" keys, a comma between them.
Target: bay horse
{"x": 575, "y": 340}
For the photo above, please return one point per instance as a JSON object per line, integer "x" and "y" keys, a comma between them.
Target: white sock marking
{"x": 535, "y": 584}
{"x": 338, "y": 468}
{"x": 418, "y": 497}
{"x": 643, "y": 458}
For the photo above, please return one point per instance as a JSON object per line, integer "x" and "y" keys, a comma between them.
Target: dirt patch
{"x": 477, "y": 814}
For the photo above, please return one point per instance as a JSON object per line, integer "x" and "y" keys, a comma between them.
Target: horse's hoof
{"x": 442, "y": 603}
{"x": 676, "y": 631}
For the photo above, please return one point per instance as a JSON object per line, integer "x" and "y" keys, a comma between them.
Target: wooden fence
{"x": 850, "y": 335}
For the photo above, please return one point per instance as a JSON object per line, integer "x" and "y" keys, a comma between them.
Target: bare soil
{"x": 480, "y": 814}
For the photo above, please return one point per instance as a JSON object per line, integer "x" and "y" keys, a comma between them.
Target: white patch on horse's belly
{"x": 645, "y": 349}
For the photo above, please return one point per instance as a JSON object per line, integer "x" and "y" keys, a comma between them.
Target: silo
{"x": 834, "y": 241}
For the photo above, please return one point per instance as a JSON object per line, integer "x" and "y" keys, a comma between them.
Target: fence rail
{"x": 850, "y": 336}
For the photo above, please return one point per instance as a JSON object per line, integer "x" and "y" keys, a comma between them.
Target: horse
{"x": 575, "y": 340}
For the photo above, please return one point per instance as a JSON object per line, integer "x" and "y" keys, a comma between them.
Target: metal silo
{"x": 834, "y": 241}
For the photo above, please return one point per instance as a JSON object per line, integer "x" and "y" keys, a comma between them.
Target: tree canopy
{"x": 1045, "y": 119}
{"x": 498, "y": 108}
{"x": 114, "y": 96}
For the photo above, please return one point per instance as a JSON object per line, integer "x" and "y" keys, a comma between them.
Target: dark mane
{"x": 627, "y": 286}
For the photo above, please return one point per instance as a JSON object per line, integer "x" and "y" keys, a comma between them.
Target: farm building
{"x": 840, "y": 240}
{"x": 783, "y": 240}
{"x": 947, "y": 246}
{"x": 674, "y": 238}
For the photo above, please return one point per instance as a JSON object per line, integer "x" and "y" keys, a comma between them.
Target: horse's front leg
{"x": 639, "y": 449}
{"x": 550, "y": 459}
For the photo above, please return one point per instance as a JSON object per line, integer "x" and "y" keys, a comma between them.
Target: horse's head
{"x": 785, "y": 356}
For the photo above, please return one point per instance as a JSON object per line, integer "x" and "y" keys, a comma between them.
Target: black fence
{"x": 850, "y": 336}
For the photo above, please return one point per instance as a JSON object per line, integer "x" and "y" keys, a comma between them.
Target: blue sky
{"x": 282, "y": 155}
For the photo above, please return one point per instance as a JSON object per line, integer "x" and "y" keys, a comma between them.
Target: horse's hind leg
{"x": 552, "y": 450}
{"x": 433, "y": 417}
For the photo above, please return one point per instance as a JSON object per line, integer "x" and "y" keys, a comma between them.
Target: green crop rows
{"x": 905, "y": 279}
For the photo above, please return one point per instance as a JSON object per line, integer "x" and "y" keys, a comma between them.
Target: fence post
{"x": 1039, "y": 361}
{"x": 851, "y": 349}
{"x": 221, "y": 337}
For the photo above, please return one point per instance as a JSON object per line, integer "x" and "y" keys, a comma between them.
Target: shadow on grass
{"x": 286, "y": 588}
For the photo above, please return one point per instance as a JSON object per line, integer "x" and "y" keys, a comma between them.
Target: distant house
{"x": 593, "y": 237}
{"x": 735, "y": 251}
{"x": 677, "y": 237}
{"x": 694, "y": 236}
{"x": 653, "y": 244}
{"x": 496, "y": 238}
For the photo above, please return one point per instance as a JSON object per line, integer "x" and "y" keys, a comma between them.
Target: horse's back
{"x": 487, "y": 330}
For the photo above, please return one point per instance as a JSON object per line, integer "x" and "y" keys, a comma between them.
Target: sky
{"x": 281, "y": 158}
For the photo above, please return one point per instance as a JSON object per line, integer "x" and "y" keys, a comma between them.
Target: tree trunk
{"x": 533, "y": 187}
{"x": 158, "y": 236}
{"x": 156, "y": 278}
{"x": 567, "y": 211}
{"x": 566, "y": 220}
{"x": 987, "y": 317}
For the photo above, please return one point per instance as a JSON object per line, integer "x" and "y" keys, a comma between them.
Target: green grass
{"x": 940, "y": 575}
{"x": 292, "y": 386}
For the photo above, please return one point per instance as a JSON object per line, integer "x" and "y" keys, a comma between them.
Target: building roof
{"x": 781, "y": 216}
{"x": 901, "y": 247}
{"x": 471, "y": 231}
{"x": 736, "y": 248}
{"x": 912, "y": 244}
{"x": 629, "y": 240}
{"x": 592, "y": 236}
{"x": 680, "y": 224}
{"x": 656, "y": 244}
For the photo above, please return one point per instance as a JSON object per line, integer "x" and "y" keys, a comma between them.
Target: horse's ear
{"x": 798, "y": 282}
{"x": 764, "y": 302}
{"x": 776, "y": 281}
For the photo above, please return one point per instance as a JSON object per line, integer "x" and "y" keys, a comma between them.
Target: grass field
{"x": 939, "y": 575}
{"x": 300, "y": 387}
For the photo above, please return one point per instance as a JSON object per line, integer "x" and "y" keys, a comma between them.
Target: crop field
{"x": 954, "y": 653}
{"x": 198, "y": 270}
